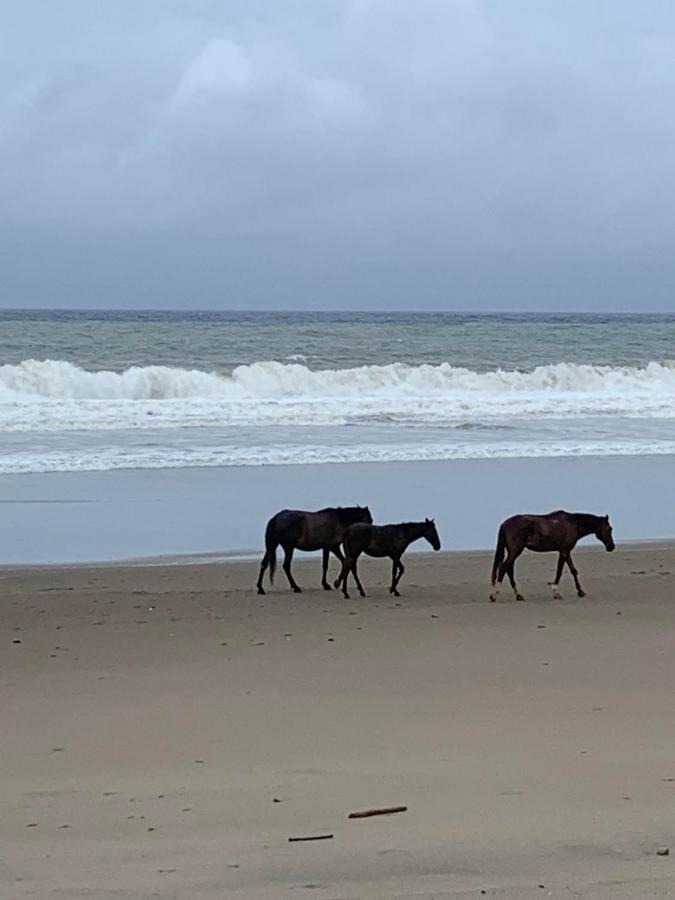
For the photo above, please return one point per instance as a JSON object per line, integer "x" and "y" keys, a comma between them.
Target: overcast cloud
{"x": 466, "y": 154}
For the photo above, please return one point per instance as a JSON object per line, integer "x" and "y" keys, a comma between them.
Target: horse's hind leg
{"x": 288, "y": 559}
{"x": 324, "y": 582}
{"x": 575, "y": 574}
{"x": 356, "y": 577}
{"x": 263, "y": 567}
{"x": 344, "y": 576}
{"x": 508, "y": 568}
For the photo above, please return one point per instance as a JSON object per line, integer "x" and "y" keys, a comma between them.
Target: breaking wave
{"x": 57, "y": 395}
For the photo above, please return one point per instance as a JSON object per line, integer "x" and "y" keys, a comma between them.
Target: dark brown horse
{"x": 296, "y": 529}
{"x": 558, "y": 531}
{"x": 383, "y": 540}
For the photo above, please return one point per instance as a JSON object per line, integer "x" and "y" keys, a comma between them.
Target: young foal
{"x": 296, "y": 529}
{"x": 558, "y": 531}
{"x": 383, "y": 540}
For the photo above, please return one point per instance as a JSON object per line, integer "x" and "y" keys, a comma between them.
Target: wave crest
{"x": 59, "y": 379}
{"x": 52, "y": 395}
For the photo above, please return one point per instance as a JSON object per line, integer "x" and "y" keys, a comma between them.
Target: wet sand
{"x": 165, "y": 731}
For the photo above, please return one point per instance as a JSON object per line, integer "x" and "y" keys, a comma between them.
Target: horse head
{"x": 431, "y": 534}
{"x": 349, "y": 515}
{"x": 604, "y": 533}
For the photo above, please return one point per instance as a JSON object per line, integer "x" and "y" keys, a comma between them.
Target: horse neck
{"x": 413, "y": 531}
{"x": 347, "y": 516}
{"x": 586, "y": 523}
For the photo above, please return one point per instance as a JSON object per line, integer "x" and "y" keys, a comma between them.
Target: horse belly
{"x": 541, "y": 546}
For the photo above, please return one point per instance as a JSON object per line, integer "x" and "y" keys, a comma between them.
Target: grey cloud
{"x": 448, "y": 141}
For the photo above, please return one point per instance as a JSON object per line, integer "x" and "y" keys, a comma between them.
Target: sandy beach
{"x": 166, "y": 731}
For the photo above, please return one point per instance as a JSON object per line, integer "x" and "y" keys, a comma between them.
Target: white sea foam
{"x": 54, "y": 395}
{"x": 107, "y": 458}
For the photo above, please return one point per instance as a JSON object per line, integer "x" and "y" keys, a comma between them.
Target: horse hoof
{"x": 297, "y": 590}
{"x": 326, "y": 587}
{"x": 363, "y": 593}
{"x": 396, "y": 594}
{"x": 557, "y": 595}
{"x": 261, "y": 591}
{"x": 520, "y": 598}
{"x": 346, "y": 596}
{"x": 336, "y": 583}
{"x": 581, "y": 593}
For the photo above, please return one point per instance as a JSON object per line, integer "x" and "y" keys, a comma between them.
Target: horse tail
{"x": 499, "y": 553}
{"x": 271, "y": 549}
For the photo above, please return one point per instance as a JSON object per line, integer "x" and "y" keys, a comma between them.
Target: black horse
{"x": 558, "y": 531}
{"x": 297, "y": 529}
{"x": 383, "y": 540}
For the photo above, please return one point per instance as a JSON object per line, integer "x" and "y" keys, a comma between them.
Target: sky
{"x": 316, "y": 154}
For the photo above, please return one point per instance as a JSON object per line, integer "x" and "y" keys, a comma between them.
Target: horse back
{"x": 552, "y": 531}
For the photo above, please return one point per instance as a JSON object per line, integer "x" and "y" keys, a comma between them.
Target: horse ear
{"x": 607, "y": 518}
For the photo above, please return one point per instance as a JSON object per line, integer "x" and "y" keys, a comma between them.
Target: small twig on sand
{"x": 312, "y": 837}
{"x": 385, "y": 811}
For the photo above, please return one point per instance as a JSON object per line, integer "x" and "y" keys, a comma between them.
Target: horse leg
{"x": 401, "y": 570}
{"x": 288, "y": 559}
{"x": 356, "y": 577}
{"x": 508, "y": 568}
{"x": 397, "y": 572}
{"x": 324, "y": 583}
{"x": 263, "y": 567}
{"x": 340, "y": 555}
{"x": 344, "y": 576}
{"x": 558, "y": 575}
{"x": 575, "y": 574}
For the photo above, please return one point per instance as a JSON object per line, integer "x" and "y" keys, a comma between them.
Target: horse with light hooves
{"x": 556, "y": 532}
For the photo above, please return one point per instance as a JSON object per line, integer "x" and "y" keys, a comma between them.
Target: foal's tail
{"x": 271, "y": 549}
{"x": 499, "y": 553}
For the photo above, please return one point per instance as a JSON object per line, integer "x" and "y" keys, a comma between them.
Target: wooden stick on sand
{"x": 385, "y": 811}
{"x": 312, "y": 837}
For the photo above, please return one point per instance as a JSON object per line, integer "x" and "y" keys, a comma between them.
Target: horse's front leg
{"x": 558, "y": 575}
{"x": 288, "y": 559}
{"x": 575, "y": 574}
{"x": 397, "y": 571}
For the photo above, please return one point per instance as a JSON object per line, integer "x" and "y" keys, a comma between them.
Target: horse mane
{"x": 587, "y": 521}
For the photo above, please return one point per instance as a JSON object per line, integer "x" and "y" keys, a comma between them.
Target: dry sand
{"x": 165, "y": 731}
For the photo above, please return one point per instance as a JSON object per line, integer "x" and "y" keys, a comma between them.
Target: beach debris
{"x": 16, "y": 641}
{"x": 382, "y": 811}
{"x": 311, "y": 837}
{"x": 663, "y": 851}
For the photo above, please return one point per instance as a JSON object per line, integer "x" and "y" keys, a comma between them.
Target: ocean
{"x": 100, "y": 391}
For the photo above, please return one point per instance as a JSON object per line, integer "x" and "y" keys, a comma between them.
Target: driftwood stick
{"x": 384, "y": 811}
{"x": 311, "y": 837}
